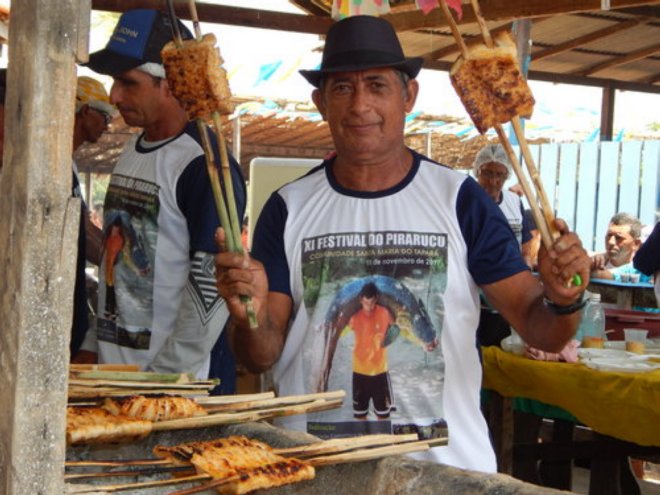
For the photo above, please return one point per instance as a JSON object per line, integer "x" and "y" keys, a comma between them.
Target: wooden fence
{"x": 588, "y": 183}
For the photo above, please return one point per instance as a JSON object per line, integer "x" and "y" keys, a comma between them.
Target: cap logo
{"x": 132, "y": 33}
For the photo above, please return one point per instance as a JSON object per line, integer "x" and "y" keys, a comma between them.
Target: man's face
{"x": 368, "y": 304}
{"x": 137, "y": 97}
{"x": 492, "y": 177}
{"x": 365, "y": 111}
{"x": 620, "y": 244}
{"x": 95, "y": 123}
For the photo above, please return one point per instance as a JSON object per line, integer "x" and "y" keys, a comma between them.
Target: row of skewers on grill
{"x": 236, "y": 464}
{"x": 131, "y": 418}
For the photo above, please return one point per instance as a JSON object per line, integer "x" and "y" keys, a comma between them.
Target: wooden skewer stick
{"x": 345, "y": 444}
{"x": 207, "y": 486}
{"x": 504, "y": 140}
{"x": 541, "y": 196}
{"x": 369, "y": 454}
{"x": 193, "y": 13}
{"x": 276, "y": 401}
{"x": 188, "y": 470}
{"x": 138, "y": 486}
{"x": 229, "y": 219}
{"x": 242, "y": 417}
{"x": 115, "y": 463}
{"x": 539, "y": 218}
{"x": 230, "y": 399}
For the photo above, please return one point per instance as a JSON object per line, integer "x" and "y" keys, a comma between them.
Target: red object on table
{"x": 618, "y": 319}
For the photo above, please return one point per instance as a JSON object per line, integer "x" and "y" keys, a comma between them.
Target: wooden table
{"x": 620, "y": 410}
{"x": 624, "y": 294}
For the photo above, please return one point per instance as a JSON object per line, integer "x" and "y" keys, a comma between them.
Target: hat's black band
{"x": 369, "y": 58}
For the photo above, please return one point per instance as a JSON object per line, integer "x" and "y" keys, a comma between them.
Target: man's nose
{"x": 115, "y": 94}
{"x": 360, "y": 98}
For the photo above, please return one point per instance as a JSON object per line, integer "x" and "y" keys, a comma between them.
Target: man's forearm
{"x": 259, "y": 348}
{"x": 549, "y": 331}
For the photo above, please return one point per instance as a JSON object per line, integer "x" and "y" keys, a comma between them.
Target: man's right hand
{"x": 598, "y": 261}
{"x": 239, "y": 275}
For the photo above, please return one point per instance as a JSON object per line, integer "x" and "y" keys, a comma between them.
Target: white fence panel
{"x": 588, "y": 183}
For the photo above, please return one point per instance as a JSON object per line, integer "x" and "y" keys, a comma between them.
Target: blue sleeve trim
{"x": 194, "y": 197}
{"x": 526, "y": 229}
{"x": 268, "y": 244}
{"x": 647, "y": 259}
{"x": 493, "y": 252}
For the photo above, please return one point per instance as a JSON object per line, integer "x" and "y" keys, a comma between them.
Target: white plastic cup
{"x": 635, "y": 340}
{"x": 634, "y": 278}
{"x": 625, "y": 278}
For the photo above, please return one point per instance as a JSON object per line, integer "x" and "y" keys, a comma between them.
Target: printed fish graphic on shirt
{"x": 408, "y": 311}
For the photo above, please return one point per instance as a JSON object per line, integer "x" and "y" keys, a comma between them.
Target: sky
{"x": 252, "y": 54}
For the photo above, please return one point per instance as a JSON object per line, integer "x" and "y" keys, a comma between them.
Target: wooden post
{"x": 39, "y": 225}
{"x": 607, "y": 113}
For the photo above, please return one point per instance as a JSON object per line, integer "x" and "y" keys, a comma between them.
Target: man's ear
{"x": 411, "y": 95}
{"x": 317, "y": 98}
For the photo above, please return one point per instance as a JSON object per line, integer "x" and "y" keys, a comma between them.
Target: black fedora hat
{"x": 362, "y": 42}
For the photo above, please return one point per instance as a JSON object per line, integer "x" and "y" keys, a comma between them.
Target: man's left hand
{"x": 561, "y": 263}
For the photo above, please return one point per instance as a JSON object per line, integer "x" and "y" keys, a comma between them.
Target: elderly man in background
{"x": 492, "y": 168}
{"x": 158, "y": 305}
{"x": 622, "y": 240}
{"x": 426, "y": 235}
{"x": 93, "y": 115}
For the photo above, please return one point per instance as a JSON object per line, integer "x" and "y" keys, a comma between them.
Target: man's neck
{"x": 166, "y": 127}
{"x": 359, "y": 175}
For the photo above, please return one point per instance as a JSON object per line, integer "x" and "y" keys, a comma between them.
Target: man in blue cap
{"x": 158, "y": 306}
{"x": 428, "y": 236}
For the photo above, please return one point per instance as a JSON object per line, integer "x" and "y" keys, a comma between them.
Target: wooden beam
{"x": 287, "y": 151}
{"x": 607, "y": 113}
{"x": 587, "y": 38}
{"x": 497, "y": 10}
{"x": 310, "y": 7}
{"x": 632, "y": 56}
{"x": 654, "y": 79}
{"x": 223, "y": 14}
{"x": 454, "y": 48}
{"x": 39, "y": 220}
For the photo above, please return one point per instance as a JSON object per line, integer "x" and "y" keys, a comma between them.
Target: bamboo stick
{"x": 137, "y": 486}
{"x": 114, "y": 463}
{"x": 104, "y": 367}
{"x": 230, "y": 399}
{"x": 242, "y": 417}
{"x": 539, "y": 217}
{"x": 135, "y": 376}
{"x": 161, "y": 469}
{"x": 344, "y": 444}
{"x": 90, "y": 384}
{"x": 98, "y": 393}
{"x": 207, "y": 486}
{"x": 276, "y": 401}
{"x": 226, "y": 209}
{"x": 369, "y": 454}
{"x": 541, "y": 196}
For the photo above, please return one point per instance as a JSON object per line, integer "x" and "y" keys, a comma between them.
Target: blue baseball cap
{"x": 138, "y": 38}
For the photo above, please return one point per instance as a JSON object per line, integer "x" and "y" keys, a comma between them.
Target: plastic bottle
{"x": 592, "y": 327}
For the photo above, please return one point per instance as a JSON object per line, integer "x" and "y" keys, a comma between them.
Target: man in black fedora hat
{"x": 427, "y": 236}
{"x": 158, "y": 306}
